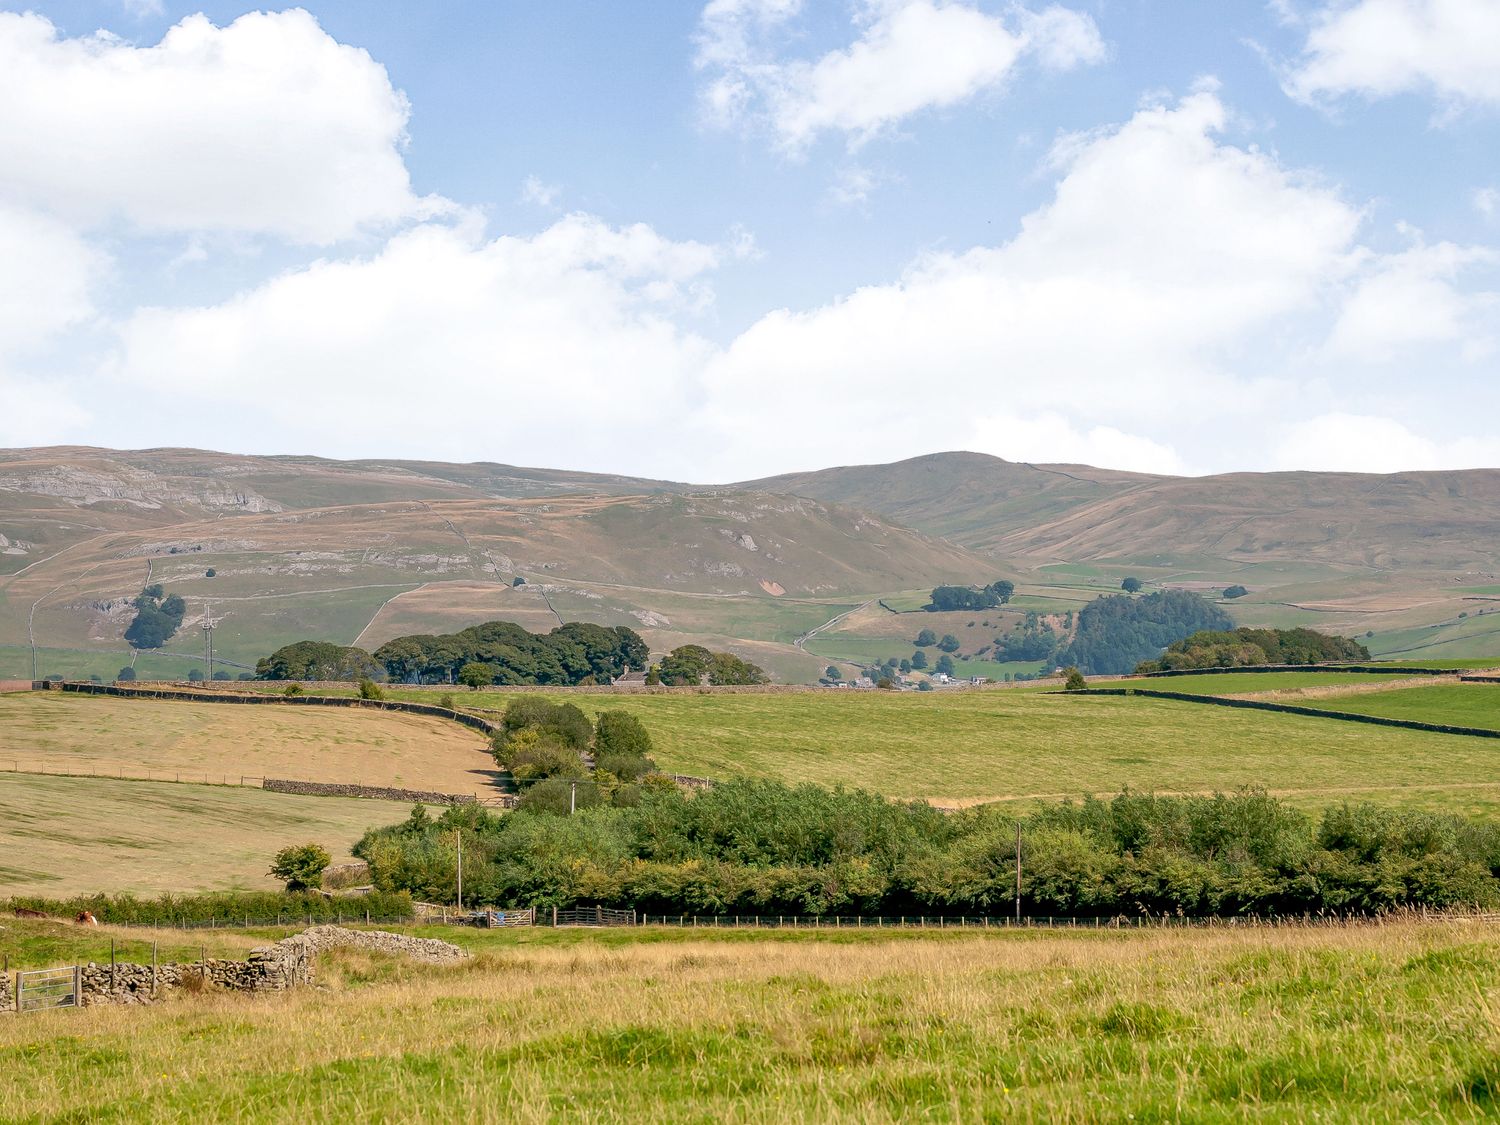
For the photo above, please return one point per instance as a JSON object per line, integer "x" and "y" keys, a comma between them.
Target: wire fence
{"x": 115, "y": 771}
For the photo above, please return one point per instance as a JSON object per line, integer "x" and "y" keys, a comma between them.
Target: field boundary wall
{"x": 569, "y": 689}
{"x": 189, "y": 696}
{"x": 376, "y": 792}
{"x": 1291, "y": 709}
{"x": 1251, "y": 669}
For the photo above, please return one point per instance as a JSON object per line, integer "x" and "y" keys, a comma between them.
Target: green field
{"x": 1374, "y": 1024}
{"x": 1473, "y": 637}
{"x": 1460, "y": 705}
{"x": 1241, "y": 683}
{"x": 1003, "y": 744}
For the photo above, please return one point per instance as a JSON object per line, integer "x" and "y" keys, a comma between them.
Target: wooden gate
{"x": 41, "y": 990}
{"x": 593, "y": 916}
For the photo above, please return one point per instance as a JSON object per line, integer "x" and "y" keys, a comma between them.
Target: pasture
{"x": 1254, "y": 683}
{"x": 1367, "y": 1024}
{"x": 962, "y": 747}
{"x": 142, "y": 738}
{"x": 1460, "y": 705}
{"x": 69, "y": 835}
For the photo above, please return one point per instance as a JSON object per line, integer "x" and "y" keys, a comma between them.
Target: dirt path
{"x": 376, "y": 615}
{"x": 801, "y": 642}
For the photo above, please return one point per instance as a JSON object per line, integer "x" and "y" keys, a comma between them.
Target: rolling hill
{"x": 1446, "y": 521}
{"x": 366, "y": 550}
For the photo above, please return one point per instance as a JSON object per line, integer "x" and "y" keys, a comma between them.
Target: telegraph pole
{"x": 208, "y": 644}
{"x": 1018, "y": 871}
{"x": 458, "y": 840}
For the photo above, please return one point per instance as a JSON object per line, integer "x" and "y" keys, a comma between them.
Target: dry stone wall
{"x": 328, "y": 789}
{"x": 271, "y": 968}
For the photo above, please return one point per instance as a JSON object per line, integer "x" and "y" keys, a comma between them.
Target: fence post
{"x": 153, "y": 970}
{"x": 112, "y": 971}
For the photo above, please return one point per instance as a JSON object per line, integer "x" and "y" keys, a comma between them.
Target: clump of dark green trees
{"x": 1247, "y": 648}
{"x": 158, "y": 615}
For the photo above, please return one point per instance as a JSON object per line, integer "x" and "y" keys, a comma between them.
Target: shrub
{"x": 368, "y": 689}
{"x": 301, "y": 866}
{"x": 446, "y": 701}
{"x": 210, "y": 572}
{"x": 225, "y": 906}
{"x": 222, "y": 675}
{"x": 534, "y": 753}
{"x": 1131, "y": 585}
{"x": 562, "y": 720}
{"x": 1232, "y": 592}
{"x": 555, "y": 796}
{"x": 620, "y": 733}
{"x": 1074, "y": 680}
{"x": 925, "y": 639}
{"x": 195, "y": 676}
{"x": 292, "y": 689}
{"x": 125, "y": 675}
{"x": 476, "y": 674}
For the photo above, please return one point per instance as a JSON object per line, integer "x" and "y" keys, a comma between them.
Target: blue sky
{"x": 725, "y": 239}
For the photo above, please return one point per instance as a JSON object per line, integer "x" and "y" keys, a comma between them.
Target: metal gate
{"x": 43, "y": 989}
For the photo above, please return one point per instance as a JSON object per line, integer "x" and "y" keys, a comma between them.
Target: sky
{"x": 712, "y": 241}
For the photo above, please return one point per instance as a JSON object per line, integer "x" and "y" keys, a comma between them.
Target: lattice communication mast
{"x": 208, "y": 643}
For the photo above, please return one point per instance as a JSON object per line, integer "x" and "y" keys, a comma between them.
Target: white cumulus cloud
{"x": 556, "y": 349}
{"x": 1377, "y": 48}
{"x": 1364, "y": 443}
{"x": 1162, "y": 257}
{"x": 266, "y": 126}
{"x": 1413, "y": 299}
{"x": 909, "y": 56}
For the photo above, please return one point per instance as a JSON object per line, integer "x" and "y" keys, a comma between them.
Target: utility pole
{"x": 208, "y": 643}
{"x": 572, "y": 797}
{"x": 458, "y": 840}
{"x": 1018, "y": 871}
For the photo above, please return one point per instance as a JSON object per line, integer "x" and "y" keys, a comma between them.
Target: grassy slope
{"x": 1243, "y": 683}
{"x": 1365, "y": 1025}
{"x": 68, "y": 835}
{"x": 1006, "y": 744}
{"x": 85, "y": 734}
{"x": 1464, "y": 705}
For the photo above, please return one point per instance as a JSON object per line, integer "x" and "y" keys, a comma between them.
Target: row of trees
{"x": 318, "y": 660}
{"x": 1248, "y": 648}
{"x": 947, "y": 599}
{"x": 502, "y": 652}
{"x": 691, "y": 665}
{"x": 751, "y": 846}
